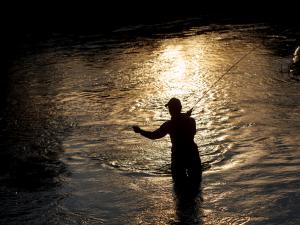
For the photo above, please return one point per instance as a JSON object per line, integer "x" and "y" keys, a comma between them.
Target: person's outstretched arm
{"x": 159, "y": 133}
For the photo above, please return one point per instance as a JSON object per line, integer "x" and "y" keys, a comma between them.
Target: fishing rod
{"x": 226, "y": 72}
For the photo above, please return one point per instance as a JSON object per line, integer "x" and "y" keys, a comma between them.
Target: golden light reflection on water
{"x": 248, "y": 131}
{"x": 186, "y": 68}
{"x": 178, "y": 68}
{"x": 175, "y": 65}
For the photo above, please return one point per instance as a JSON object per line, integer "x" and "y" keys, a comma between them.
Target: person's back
{"x": 182, "y": 131}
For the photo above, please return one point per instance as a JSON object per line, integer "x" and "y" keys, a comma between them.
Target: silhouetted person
{"x": 186, "y": 163}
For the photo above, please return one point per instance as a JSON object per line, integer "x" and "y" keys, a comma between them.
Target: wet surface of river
{"x": 75, "y": 99}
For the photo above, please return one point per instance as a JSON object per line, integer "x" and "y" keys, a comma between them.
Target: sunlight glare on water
{"x": 178, "y": 67}
{"x": 247, "y": 128}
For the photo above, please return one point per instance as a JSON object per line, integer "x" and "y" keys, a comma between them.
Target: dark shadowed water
{"x": 73, "y": 158}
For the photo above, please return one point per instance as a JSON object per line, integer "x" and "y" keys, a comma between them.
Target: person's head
{"x": 174, "y": 106}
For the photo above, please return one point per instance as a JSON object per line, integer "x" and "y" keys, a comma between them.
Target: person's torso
{"x": 182, "y": 130}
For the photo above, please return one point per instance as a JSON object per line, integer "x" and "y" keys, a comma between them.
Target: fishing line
{"x": 223, "y": 75}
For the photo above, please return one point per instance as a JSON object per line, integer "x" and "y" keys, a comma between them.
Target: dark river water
{"x": 74, "y": 159}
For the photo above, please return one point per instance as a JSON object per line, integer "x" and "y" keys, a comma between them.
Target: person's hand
{"x": 136, "y": 129}
{"x": 189, "y": 113}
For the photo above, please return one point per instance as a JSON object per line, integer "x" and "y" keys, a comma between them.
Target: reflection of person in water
{"x": 186, "y": 163}
{"x": 188, "y": 206}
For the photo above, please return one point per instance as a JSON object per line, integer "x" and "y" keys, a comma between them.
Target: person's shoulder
{"x": 190, "y": 120}
{"x": 187, "y": 117}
